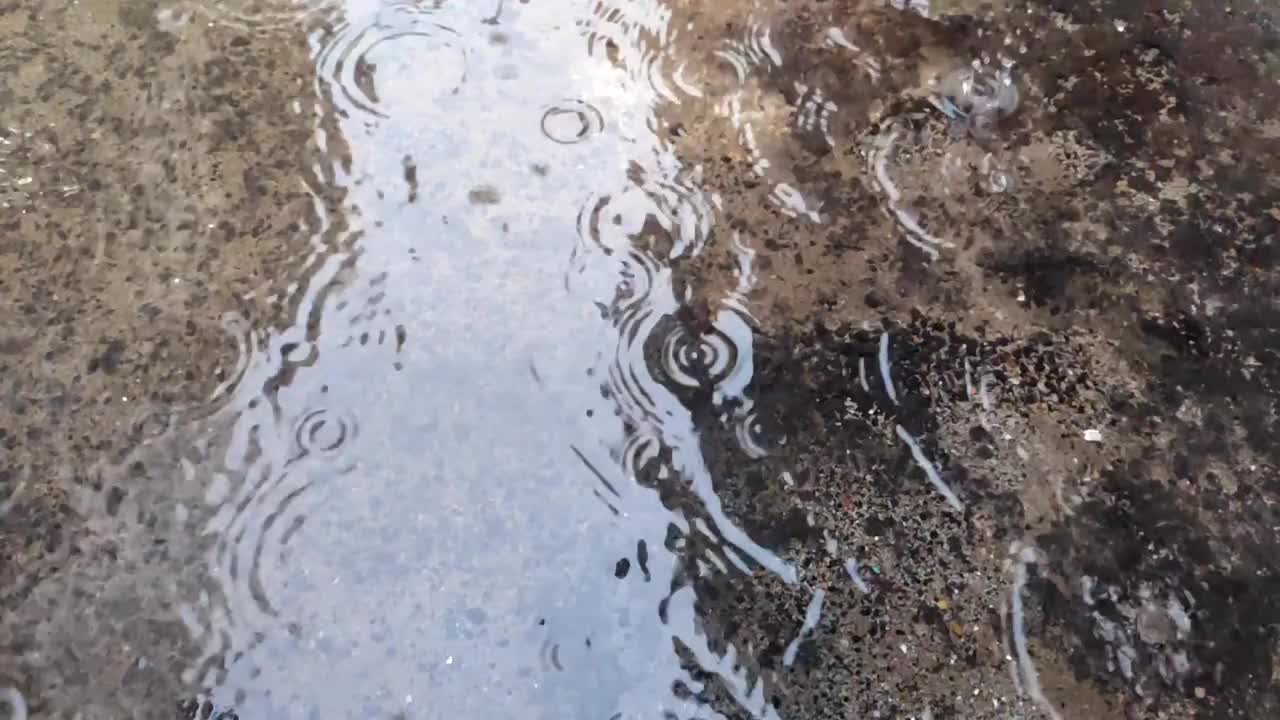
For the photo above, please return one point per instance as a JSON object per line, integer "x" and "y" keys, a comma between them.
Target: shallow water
{"x": 535, "y": 401}
{"x": 416, "y": 497}
{"x": 423, "y": 500}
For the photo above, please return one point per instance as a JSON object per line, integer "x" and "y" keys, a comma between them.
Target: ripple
{"x": 751, "y": 435}
{"x": 638, "y": 452}
{"x": 253, "y": 542}
{"x": 257, "y": 515}
{"x": 633, "y": 37}
{"x": 664, "y": 218}
{"x": 254, "y": 15}
{"x": 692, "y": 359}
{"x": 398, "y": 60}
{"x": 754, "y": 49}
{"x": 977, "y": 96}
{"x": 879, "y": 159}
{"x": 324, "y": 432}
{"x": 571, "y": 121}
{"x": 549, "y": 654}
{"x": 635, "y": 285}
{"x": 630, "y": 382}
{"x": 237, "y": 327}
{"x": 13, "y": 704}
{"x": 633, "y": 234}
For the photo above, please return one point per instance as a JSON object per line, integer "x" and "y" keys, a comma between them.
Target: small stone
{"x": 1200, "y": 693}
{"x": 1093, "y": 435}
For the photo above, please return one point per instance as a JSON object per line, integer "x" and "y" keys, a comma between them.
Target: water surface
{"x": 613, "y": 360}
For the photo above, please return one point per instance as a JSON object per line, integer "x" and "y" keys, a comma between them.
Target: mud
{"x": 1075, "y": 295}
{"x": 1100, "y": 281}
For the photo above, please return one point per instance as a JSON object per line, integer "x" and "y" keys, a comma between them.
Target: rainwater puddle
{"x": 620, "y": 360}
{"x": 425, "y": 502}
{"x": 467, "y": 479}
{"x": 423, "y": 505}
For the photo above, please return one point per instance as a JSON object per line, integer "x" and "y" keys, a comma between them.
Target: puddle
{"x": 422, "y": 506}
{"x": 613, "y": 360}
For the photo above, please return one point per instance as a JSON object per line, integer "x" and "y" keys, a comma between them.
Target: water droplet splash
{"x": 691, "y": 359}
{"x": 324, "y": 433}
{"x": 397, "y": 59}
{"x": 571, "y": 121}
{"x": 977, "y": 97}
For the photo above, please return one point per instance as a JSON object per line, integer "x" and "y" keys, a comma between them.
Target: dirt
{"x": 1115, "y": 278}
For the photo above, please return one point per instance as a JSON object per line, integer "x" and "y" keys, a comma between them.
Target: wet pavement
{"x": 620, "y": 360}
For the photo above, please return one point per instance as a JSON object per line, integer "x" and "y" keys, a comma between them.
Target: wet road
{"x": 621, "y": 360}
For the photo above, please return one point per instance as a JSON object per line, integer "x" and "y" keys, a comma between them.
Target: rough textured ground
{"x": 123, "y": 312}
{"x": 1108, "y": 266}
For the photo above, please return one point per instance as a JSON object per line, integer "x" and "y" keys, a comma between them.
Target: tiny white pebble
{"x": 1093, "y": 435}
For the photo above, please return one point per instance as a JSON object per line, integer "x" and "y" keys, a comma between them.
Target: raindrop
{"x": 323, "y": 432}
{"x": 397, "y": 60}
{"x": 695, "y": 359}
{"x": 571, "y": 121}
{"x": 750, "y": 434}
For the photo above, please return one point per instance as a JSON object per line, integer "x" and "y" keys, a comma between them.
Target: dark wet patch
{"x": 841, "y": 476}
